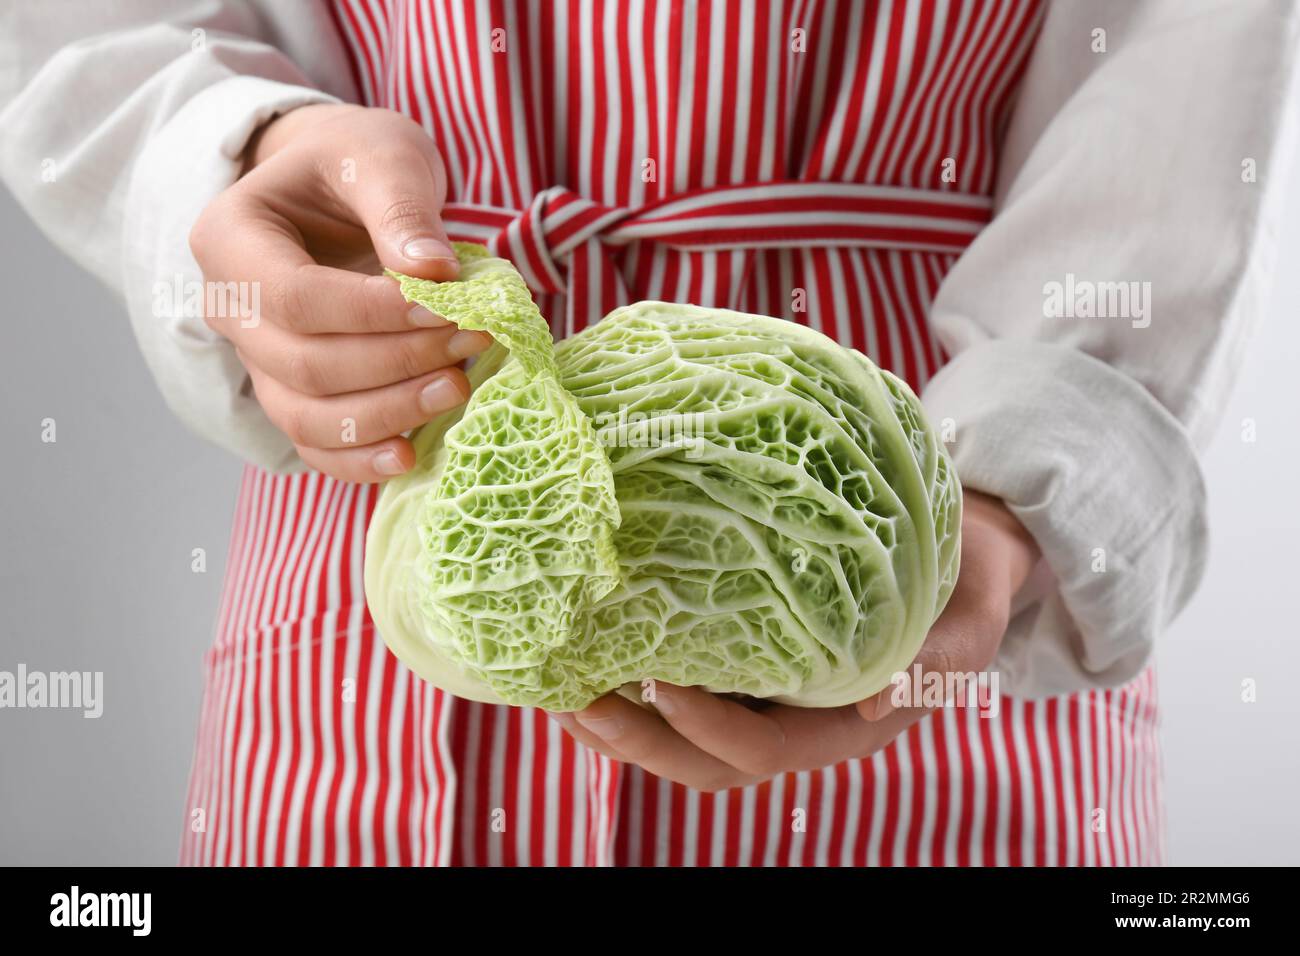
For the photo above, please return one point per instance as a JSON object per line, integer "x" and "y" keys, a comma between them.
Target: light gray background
{"x": 97, "y": 532}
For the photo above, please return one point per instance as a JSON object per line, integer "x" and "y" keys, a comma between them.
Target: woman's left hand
{"x": 711, "y": 743}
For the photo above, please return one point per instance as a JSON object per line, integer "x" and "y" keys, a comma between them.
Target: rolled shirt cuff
{"x": 1107, "y": 482}
{"x": 191, "y": 158}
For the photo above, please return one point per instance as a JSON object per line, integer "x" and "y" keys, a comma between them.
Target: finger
{"x": 245, "y": 247}
{"x": 742, "y": 738}
{"x": 358, "y": 418}
{"x": 819, "y": 737}
{"x": 365, "y": 465}
{"x": 320, "y": 365}
{"x": 582, "y": 736}
{"x": 765, "y": 743}
{"x": 397, "y": 193}
{"x": 642, "y": 738}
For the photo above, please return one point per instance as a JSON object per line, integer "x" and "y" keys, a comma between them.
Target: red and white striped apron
{"x": 826, "y": 162}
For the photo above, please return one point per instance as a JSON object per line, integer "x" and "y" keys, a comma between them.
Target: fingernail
{"x": 387, "y": 463}
{"x": 565, "y": 720}
{"x": 427, "y": 248}
{"x": 440, "y": 395}
{"x": 466, "y": 343}
{"x": 885, "y": 699}
{"x": 663, "y": 703}
{"x": 419, "y": 316}
{"x": 606, "y": 728}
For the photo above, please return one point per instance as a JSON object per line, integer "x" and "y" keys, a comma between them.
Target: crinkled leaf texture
{"x": 676, "y": 493}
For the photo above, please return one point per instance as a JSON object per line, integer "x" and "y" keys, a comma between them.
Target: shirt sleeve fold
{"x": 118, "y": 124}
{"x": 1098, "y": 322}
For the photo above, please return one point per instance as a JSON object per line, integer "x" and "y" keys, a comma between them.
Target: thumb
{"x": 400, "y": 205}
{"x": 965, "y": 638}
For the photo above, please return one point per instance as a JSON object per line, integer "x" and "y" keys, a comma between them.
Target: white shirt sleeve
{"x": 119, "y": 122}
{"x": 1154, "y": 163}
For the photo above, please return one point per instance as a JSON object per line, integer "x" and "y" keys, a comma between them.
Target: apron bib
{"x": 822, "y": 162}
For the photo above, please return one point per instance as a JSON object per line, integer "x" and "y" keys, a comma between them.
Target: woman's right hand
{"x": 340, "y": 362}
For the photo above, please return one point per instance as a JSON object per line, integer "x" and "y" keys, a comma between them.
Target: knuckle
{"x": 389, "y": 417}
{"x": 305, "y": 373}
{"x": 288, "y": 304}
{"x": 278, "y": 293}
{"x": 293, "y": 422}
{"x": 364, "y": 306}
{"x": 404, "y": 211}
{"x": 960, "y": 654}
{"x": 940, "y": 660}
{"x": 647, "y": 754}
{"x": 298, "y": 298}
{"x": 391, "y": 117}
{"x": 409, "y": 360}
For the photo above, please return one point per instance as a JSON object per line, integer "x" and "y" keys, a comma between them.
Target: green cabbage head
{"x": 676, "y": 493}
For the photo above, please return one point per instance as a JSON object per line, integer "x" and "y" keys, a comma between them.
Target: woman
{"x": 924, "y": 181}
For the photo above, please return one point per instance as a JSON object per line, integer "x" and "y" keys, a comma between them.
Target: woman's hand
{"x": 339, "y": 360}
{"x": 712, "y": 743}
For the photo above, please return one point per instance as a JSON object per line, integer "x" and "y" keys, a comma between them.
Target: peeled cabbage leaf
{"x": 676, "y": 493}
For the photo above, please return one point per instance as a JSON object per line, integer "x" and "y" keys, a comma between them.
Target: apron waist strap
{"x": 561, "y": 237}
